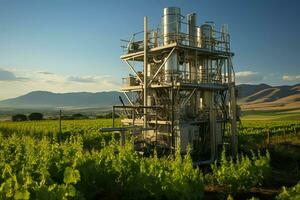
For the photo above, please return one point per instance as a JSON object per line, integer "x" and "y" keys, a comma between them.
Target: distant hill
{"x": 266, "y": 97}
{"x": 245, "y": 90}
{"x": 44, "y": 99}
{"x": 250, "y": 97}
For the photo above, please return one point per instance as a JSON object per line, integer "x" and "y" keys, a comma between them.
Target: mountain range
{"x": 47, "y": 100}
{"x": 250, "y": 97}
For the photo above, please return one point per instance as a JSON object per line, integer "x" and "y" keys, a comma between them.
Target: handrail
{"x": 219, "y": 42}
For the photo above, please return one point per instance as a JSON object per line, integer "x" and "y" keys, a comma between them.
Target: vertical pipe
{"x": 191, "y": 29}
{"x": 232, "y": 102}
{"x": 145, "y": 69}
{"x": 208, "y": 101}
{"x": 213, "y": 120}
{"x": 196, "y": 108}
{"x": 233, "y": 121}
{"x": 199, "y": 37}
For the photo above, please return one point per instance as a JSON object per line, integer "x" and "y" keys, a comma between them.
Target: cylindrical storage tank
{"x": 206, "y": 33}
{"x": 171, "y": 24}
{"x": 203, "y": 70}
{"x": 171, "y": 67}
{"x": 171, "y": 32}
{"x": 199, "y": 37}
{"x": 191, "y": 28}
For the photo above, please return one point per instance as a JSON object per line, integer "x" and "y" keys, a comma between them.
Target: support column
{"x": 145, "y": 70}
{"x": 212, "y": 123}
{"x": 233, "y": 121}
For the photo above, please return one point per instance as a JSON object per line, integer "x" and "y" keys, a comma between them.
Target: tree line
{"x": 40, "y": 116}
{"x": 31, "y": 117}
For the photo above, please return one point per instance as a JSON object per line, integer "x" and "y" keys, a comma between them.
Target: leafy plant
{"x": 43, "y": 168}
{"x": 290, "y": 193}
{"x": 241, "y": 174}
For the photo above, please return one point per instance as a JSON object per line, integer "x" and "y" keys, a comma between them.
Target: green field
{"x": 39, "y": 162}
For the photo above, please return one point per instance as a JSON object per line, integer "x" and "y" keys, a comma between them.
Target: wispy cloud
{"x": 80, "y": 79}
{"x": 246, "y": 73}
{"x": 291, "y": 77}
{"x": 248, "y": 77}
{"x": 47, "y": 81}
{"x": 45, "y": 73}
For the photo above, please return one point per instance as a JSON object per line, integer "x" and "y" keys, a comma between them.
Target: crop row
{"x": 84, "y": 165}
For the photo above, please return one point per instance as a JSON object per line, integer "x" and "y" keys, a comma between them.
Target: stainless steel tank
{"x": 199, "y": 37}
{"x": 206, "y": 34}
{"x": 191, "y": 28}
{"x": 206, "y": 43}
{"x": 171, "y": 67}
{"x": 171, "y": 30}
{"x": 171, "y": 24}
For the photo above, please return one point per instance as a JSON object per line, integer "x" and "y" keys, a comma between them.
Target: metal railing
{"x": 217, "y": 41}
{"x": 204, "y": 76}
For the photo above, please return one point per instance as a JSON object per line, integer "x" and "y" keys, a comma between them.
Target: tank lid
{"x": 172, "y": 11}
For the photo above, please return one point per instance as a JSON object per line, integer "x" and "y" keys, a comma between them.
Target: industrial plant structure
{"x": 182, "y": 88}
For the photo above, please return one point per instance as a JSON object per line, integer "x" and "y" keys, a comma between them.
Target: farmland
{"x": 39, "y": 162}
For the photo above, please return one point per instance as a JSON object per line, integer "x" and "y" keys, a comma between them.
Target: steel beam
{"x": 189, "y": 97}
{"x": 160, "y": 67}
{"x": 132, "y": 68}
{"x": 127, "y": 97}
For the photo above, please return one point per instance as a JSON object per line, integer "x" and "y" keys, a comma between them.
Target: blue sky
{"x": 70, "y": 45}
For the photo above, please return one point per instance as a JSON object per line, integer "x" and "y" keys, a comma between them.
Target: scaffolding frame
{"x": 216, "y": 84}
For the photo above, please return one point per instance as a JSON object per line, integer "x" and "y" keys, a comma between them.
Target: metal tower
{"x": 182, "y": 87}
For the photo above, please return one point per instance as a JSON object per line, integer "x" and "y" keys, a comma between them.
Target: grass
{"x": 282, "y": 115}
